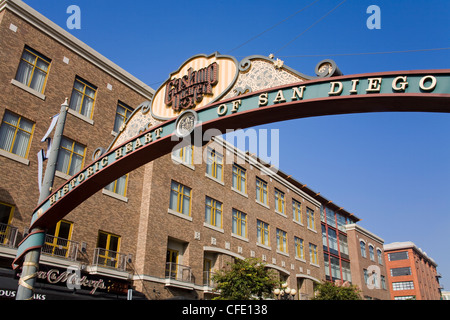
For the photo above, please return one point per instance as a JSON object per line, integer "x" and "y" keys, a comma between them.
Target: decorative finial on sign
{"x": 271, "y": 56}
{"x": 278, "y": 63}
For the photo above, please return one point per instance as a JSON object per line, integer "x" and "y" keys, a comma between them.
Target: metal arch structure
{"x": 328, "y": 94}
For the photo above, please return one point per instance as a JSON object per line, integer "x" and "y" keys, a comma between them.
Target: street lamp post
{"x": 30, "y": 265}
{"x": 285, "y": 293}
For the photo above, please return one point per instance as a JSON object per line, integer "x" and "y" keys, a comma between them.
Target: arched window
{"x": 362, "y": 244}
{"x": 371, "y": 253}
{"x": 380, "y": 257}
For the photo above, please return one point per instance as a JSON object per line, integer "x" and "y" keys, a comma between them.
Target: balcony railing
{"x": 8, "y": 235}
{"x": 110, "y": 259}
{"x": 208, "y": 279}
{"x": 60, "y": 247}
{"x": 179, "y": 272}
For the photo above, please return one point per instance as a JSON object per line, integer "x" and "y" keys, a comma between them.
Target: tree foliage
{"x": 331, "y": 291}
{"x": 247, "y": 279}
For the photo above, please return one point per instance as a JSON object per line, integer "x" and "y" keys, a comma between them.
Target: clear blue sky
{"x": 390, "y": 169}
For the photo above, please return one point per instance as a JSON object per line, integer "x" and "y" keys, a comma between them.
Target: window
{"x": 33, "y": 69}
{"x": 279, "y": 201}
{"x": 326, "y": 263}
{"x": 262, "y": 232}
{"x": 108, "y": 248}
{"x": 299, "y": 248}
{"x": 332, "y": 240}
{"x": 123, "y": 112}
{"x": 83, "y": 97}
{"x": 346, "y": 273}
{"x": 383, "y": 282}
{"x": 213, "y": 212}
{"x": 282, "y": 241}
{"x": 403, "y": 285}
{"x": 15, "y": 134}
{"x": 343, "y": 245}
{"x": 405, "y": 271}
{"x": 366, "y": 276}
{"x": 324, "y": 238}
{"x": 261, "y": 191}
{"x": 380, "y": 256}
{"x": 310, "y": 219}
{"x": 405, "y": 298}
{"x": 239, "y": 179}
{"x": 180, "y": 198}
{"x": 119, "y": 186}
{"x": 335, "y": 269}
{"x": 362, "y": 246}
{"x": 57, "y": 239}
{"x": 184, "y": 155}
{"x": 6, "y": 214}
{"x": 214, "y": 164}
{"x": 239, "y": 223}
{"x": 330, "y": 217}
{"x": 394, "y": 256}
{"x": 371, "y": 253}
{"x": 70, "y": 156}
{"x": 313, "y": 258}
{"x": 296, "y": 211}
{"x": 341, "y": 222}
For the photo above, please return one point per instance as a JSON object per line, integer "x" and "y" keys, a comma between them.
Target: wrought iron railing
{"x": 60, "y": 247}
{"x": 110, "y": 259}
{"x": 179, "y": 272}
{"x": 8, "y": 235}
{"x": 208, "y": 279}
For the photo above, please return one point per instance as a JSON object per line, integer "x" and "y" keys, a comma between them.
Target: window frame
{"x": 180, "y": 197}
{"x": 213, "y": 212}
{"x": 280, "y": 201}
{"x": 214, "y": 164}
{"x": 282, "y": 240}
{"x": 297, "y": 214}
{"x": 123, "y": 117}
{"x": 239, "y": 179}
{"x": 313, "y": 254}
{"x": 299, "y": 248}
{"x": 262, "y": 228}
{"x": 37, "y": 56}
{"x": 72, "y": 152}
{"x": 261, "y": 191}
{"x": 310, "y": 219}
{"x": 16, "y": 130}
{"x": 238, "y": 217}
{"x": 78, "y": 108}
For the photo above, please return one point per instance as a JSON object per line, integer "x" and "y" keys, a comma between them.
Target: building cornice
{"x": 364, "y": 232}
{"x": 60, "y": 35}
{"x": 408, "y": 245}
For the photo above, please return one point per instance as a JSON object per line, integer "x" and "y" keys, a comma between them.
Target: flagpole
{"x": 31, "y": 260}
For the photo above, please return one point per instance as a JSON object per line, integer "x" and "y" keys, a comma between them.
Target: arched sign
{"x": 215, "y": 92}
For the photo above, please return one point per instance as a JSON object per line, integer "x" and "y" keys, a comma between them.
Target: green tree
{"x": 247, "y": 279}
{"x": 330, "y": 291}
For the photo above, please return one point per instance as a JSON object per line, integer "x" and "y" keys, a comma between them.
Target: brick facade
{"x": 412, "y": 273}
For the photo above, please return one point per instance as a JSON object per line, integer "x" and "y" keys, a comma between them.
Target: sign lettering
{"x": 187, "y": 91}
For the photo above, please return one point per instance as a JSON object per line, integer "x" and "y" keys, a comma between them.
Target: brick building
{"x": 163, "y": 228}
{"x": 368, "y": 268}
{"x": 412, "y": 273}
{"x": 41, "y": 65}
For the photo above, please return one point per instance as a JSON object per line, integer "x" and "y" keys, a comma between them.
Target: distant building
{"x": 412, "y": 273}
{"x": 445, "y": 295}
{"x": 368, "y": 268}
